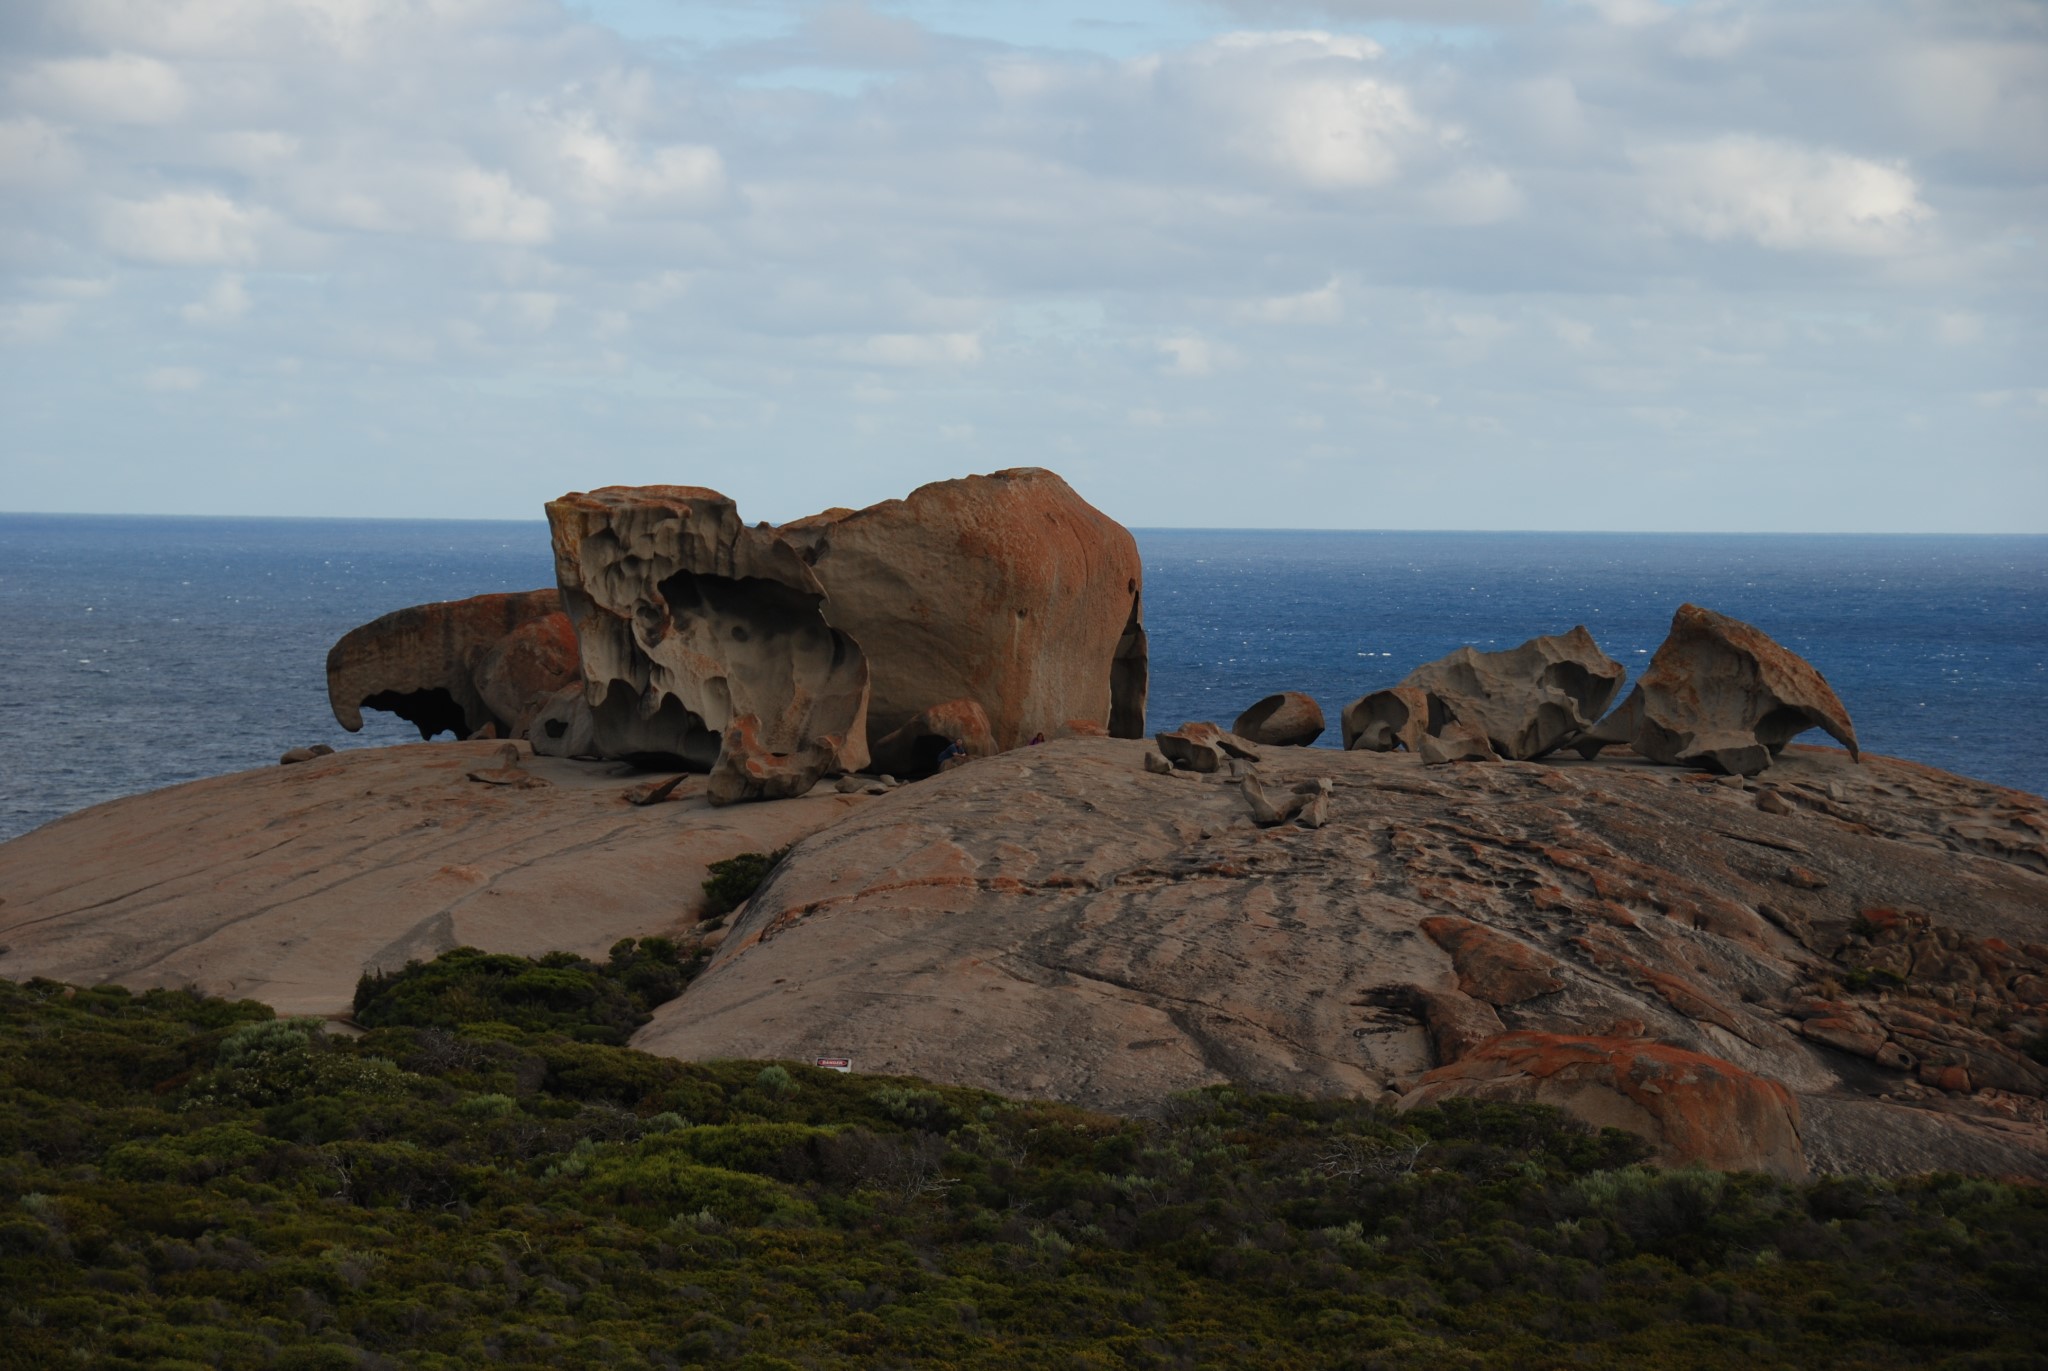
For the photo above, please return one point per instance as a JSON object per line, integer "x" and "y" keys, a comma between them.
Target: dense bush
{"x": 186, "y": 1182}
{"x": 733, "y": 881}
{"x": 559, "y": 993}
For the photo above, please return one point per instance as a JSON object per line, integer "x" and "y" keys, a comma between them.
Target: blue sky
{"x": 1531, "y": 264}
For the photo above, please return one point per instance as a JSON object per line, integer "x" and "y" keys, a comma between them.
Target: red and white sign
{"x": 836, "y": 1063}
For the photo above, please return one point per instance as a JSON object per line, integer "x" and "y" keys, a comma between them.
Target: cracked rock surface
{"x": 1850, "y": 983}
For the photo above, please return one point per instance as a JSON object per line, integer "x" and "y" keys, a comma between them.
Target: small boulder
{"x": 1289, "y": 719}
{"x": 305, "y": 754}
{"x": 1722, "y": 694}
{"x": 1204, "y": 747}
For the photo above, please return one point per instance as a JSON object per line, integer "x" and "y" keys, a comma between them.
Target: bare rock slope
{"x": 1836, "y": 969}
{"x": 286, "y": 884}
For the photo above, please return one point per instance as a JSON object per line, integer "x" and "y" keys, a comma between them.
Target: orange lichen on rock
{"x": 1691, "y": 1107}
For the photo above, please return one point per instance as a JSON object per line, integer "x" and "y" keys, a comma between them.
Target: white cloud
{"x": 34, "y": 321}
{"x": 227, "y": 299}
{"x": 183, "y": 228}
{"x": 495, "y": 217}
{"x": 919, "y": 349}
{"x": 488, "y": 208}
{"x": 1323, "y": 305}
{"x": 1188, "y": 355}
{"x": 167, "y": 380}
{"x": 1783, "y": 195}
{"x": 123, "y": 88}
{"x": 34, "y": 152}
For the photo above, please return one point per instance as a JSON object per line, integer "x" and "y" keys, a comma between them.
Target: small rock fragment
{"x": 1157, "y": 764}
{"x": 653, "y": 792}
{"x": 305, "y": 754}
{"x": 509, "y": 771}
{"x": 1771, "y": 802}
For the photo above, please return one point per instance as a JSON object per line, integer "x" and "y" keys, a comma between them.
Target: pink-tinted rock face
{"x": 1692, "y": 1107}
{"x": 1723, "y": 695}
{"x": 1008, "y": 590}
{"x": 1067, "y": 921}
{"x": 456, "y": 666}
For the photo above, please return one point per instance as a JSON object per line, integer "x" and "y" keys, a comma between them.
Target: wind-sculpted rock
{"x": 1386, "y": 719}
{"x": 689, "y": 620}
{"x": 1204, "y": 747}
{"x": 749, "y": 769}
{"x": 917, "y": 748}
{"x": 1008, "y": 590}
{"x": 561, "y": 725}
{"x": 1721, "y": 694}
{"x": 458, "y": 666}
{"x": 1289, "y": 719}
{"x": 1527, "y": 701}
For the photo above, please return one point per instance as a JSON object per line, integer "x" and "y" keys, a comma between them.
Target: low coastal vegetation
{"x": 487, "y": 1177}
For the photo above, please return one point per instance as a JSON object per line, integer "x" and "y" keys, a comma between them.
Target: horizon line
{"x": 1133, "y": 528}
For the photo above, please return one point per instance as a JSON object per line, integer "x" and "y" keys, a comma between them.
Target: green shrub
{"x": 558, "y": 993}
{"x": 732, "y": 882}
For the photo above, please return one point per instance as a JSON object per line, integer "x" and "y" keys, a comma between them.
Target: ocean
{"x": 140, "y": 652}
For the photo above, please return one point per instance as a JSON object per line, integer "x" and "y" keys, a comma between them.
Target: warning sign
{"x": 836, "y": 1063}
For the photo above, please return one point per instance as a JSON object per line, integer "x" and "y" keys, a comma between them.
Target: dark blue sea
{"x": 139, "y": 652}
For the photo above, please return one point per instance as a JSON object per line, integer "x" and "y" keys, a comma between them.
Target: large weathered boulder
{"x": 1289, "y": 719}
{"x": 456, "y": 666}
{"x": 1692, "y": 1107}
{"x": 1527, "y": 701}
{"x": 689, "y": 620}
{"x": 1721, "y": 694}
{"x": 1008, "y": 590}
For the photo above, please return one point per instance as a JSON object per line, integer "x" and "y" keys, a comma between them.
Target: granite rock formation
{"x": 1849, "y": 984}
{"x": 1722, "y": 694}
{"x": 689, "y": 620}
{"x": 1288, "y": 719}
{"x": 286, "y": 884}
{"x": 1523, "y": 703}
{"x": 1008, "y": 590}
{"x": 457, "y": 666}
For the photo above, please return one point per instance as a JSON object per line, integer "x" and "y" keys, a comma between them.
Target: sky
{"x": 1473, "y": 264}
